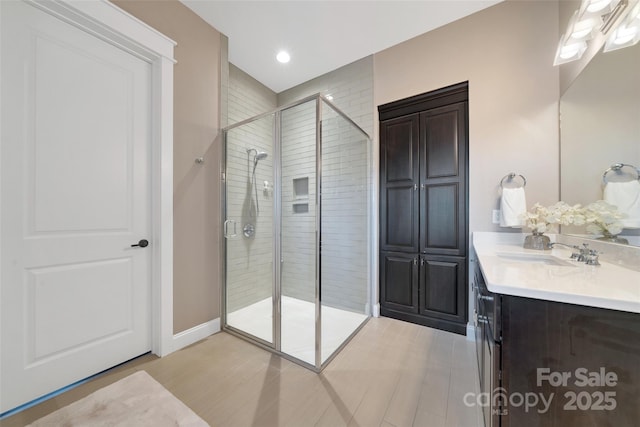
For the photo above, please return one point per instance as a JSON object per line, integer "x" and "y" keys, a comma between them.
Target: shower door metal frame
{"x": 275, "y": 346}
{"x": 275, "y": 336}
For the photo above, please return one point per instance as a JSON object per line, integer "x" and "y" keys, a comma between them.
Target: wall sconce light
{"x": 627, "y": 33}
{"x": 601, "y": 7}
{"x": 569, "y": 50}
{"x": 591, "y": 18}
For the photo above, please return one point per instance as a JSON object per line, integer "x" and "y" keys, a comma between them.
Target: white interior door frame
{"x": 111, "y": 24}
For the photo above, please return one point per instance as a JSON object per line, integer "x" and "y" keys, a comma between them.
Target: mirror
{"x": 600, "y": 126}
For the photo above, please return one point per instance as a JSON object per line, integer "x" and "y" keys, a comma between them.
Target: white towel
{"x": 626, "y": 196}
{"x": 512, "y": 205}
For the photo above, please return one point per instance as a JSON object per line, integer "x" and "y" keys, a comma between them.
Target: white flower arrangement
{"x": 599, "y": 217}
{"x": 602, "y": 218}
{"x": 542, "y": 219}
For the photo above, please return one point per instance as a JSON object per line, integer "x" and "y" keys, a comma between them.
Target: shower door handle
{"x": 226, "y": 228}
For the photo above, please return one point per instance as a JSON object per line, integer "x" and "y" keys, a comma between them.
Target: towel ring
{"x": 616, "y": 167}
{"x": 510, "y": 176}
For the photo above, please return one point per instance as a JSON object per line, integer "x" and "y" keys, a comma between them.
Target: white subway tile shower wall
{"x": 249, "y": 259}
{"x": 345, "y": 228}
{"x": 298, "y": 151}
{"x": 247, "y": 97}
{"x": 350, "y": 86}
{"x": 345, "y": 208}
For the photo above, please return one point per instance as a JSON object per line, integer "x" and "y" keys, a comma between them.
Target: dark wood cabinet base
{"x": 455, "y": 327}
{"x": 586, "y": 359}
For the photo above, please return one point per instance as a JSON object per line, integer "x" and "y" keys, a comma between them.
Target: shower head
{"x": 260, "y": 155}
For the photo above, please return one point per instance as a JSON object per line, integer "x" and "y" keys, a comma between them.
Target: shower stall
{"x": 297, "y": 205}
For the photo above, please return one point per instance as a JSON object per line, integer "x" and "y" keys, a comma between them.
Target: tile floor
{"x": 392, "y": 374}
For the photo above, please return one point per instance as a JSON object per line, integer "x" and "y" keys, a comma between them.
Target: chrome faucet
{"x": 592, "y": 257}
{"x": 574, "y": 254}
{"x": 583, "y": 254}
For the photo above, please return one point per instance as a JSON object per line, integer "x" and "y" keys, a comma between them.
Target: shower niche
{"x": 299, "y": 284}
{"x": 300, "y": 195}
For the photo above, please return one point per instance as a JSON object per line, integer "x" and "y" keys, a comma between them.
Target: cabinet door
{"x": 399, "y": 148}
{"x": 442, "y": 288}
{"x": 443, "y": 180}
{"x": 399, "y": 282}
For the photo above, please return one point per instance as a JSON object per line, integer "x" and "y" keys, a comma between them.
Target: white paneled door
{"x": 75, "y": 160}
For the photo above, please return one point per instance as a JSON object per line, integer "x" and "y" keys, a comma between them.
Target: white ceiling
{"x": 320, "y": 35}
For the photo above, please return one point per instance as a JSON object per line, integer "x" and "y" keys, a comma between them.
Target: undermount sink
{"x": 534, "y": 259}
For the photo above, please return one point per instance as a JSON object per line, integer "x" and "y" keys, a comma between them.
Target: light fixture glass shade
{"x": 584, "y": 28}
{"x": 627, "y": 33}
{"x": 583, "y": 25}
{"x": 624, "y": 36}
{"x": 569, "y": 50}
{"x": 600, "y": 7}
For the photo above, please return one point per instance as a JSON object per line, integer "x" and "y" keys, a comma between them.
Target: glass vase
{"x": 612, "y": 238}
{"x": 537, "y": 240}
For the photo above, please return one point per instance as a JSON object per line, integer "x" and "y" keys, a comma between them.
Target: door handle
{"x": 142, "y": 243}
{"x": 226, "y": 228}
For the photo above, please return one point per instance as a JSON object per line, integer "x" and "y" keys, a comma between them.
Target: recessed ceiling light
{"x": 283, "y": 57}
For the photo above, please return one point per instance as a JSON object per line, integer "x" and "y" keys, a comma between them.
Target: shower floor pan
{"x": 298, "y": 326}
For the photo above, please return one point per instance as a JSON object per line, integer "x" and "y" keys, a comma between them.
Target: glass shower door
{"x": 248, "y": 229}
{"x": 299, "y": 292}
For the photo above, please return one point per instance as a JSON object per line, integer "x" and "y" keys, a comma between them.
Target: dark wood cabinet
{"x": 575, "y": 366}
{"x": 399, "y": 281}
{"x": 423, "y": 208}
{"x": 584, "y": 344}
{"x": 399, "y": 206}
{"x": 442, "y": 288}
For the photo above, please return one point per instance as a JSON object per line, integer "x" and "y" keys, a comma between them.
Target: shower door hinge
{"x": 224, "y": 177}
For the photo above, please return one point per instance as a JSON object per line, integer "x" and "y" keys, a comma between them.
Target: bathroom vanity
{"x": 558, "y": 341}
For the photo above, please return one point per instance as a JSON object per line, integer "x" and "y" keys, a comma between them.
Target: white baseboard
{"x": 376, "y": 310}
{"x": 195, "y": 334}
{"x": 471, "y": 332}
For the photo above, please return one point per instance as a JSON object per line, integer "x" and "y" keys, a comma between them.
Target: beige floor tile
{"x": 434, "y": 394}
{"x": 426, "y": 419}
{"x": 374, "y": 403}
{"x": 404, "y": 403}
{"x": 392, "y": 374}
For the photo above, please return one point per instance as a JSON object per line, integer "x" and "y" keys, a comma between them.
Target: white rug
{"x": 137, "y": 400}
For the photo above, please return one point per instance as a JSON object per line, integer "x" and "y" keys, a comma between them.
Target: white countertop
{"x": 605, "y": 286}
